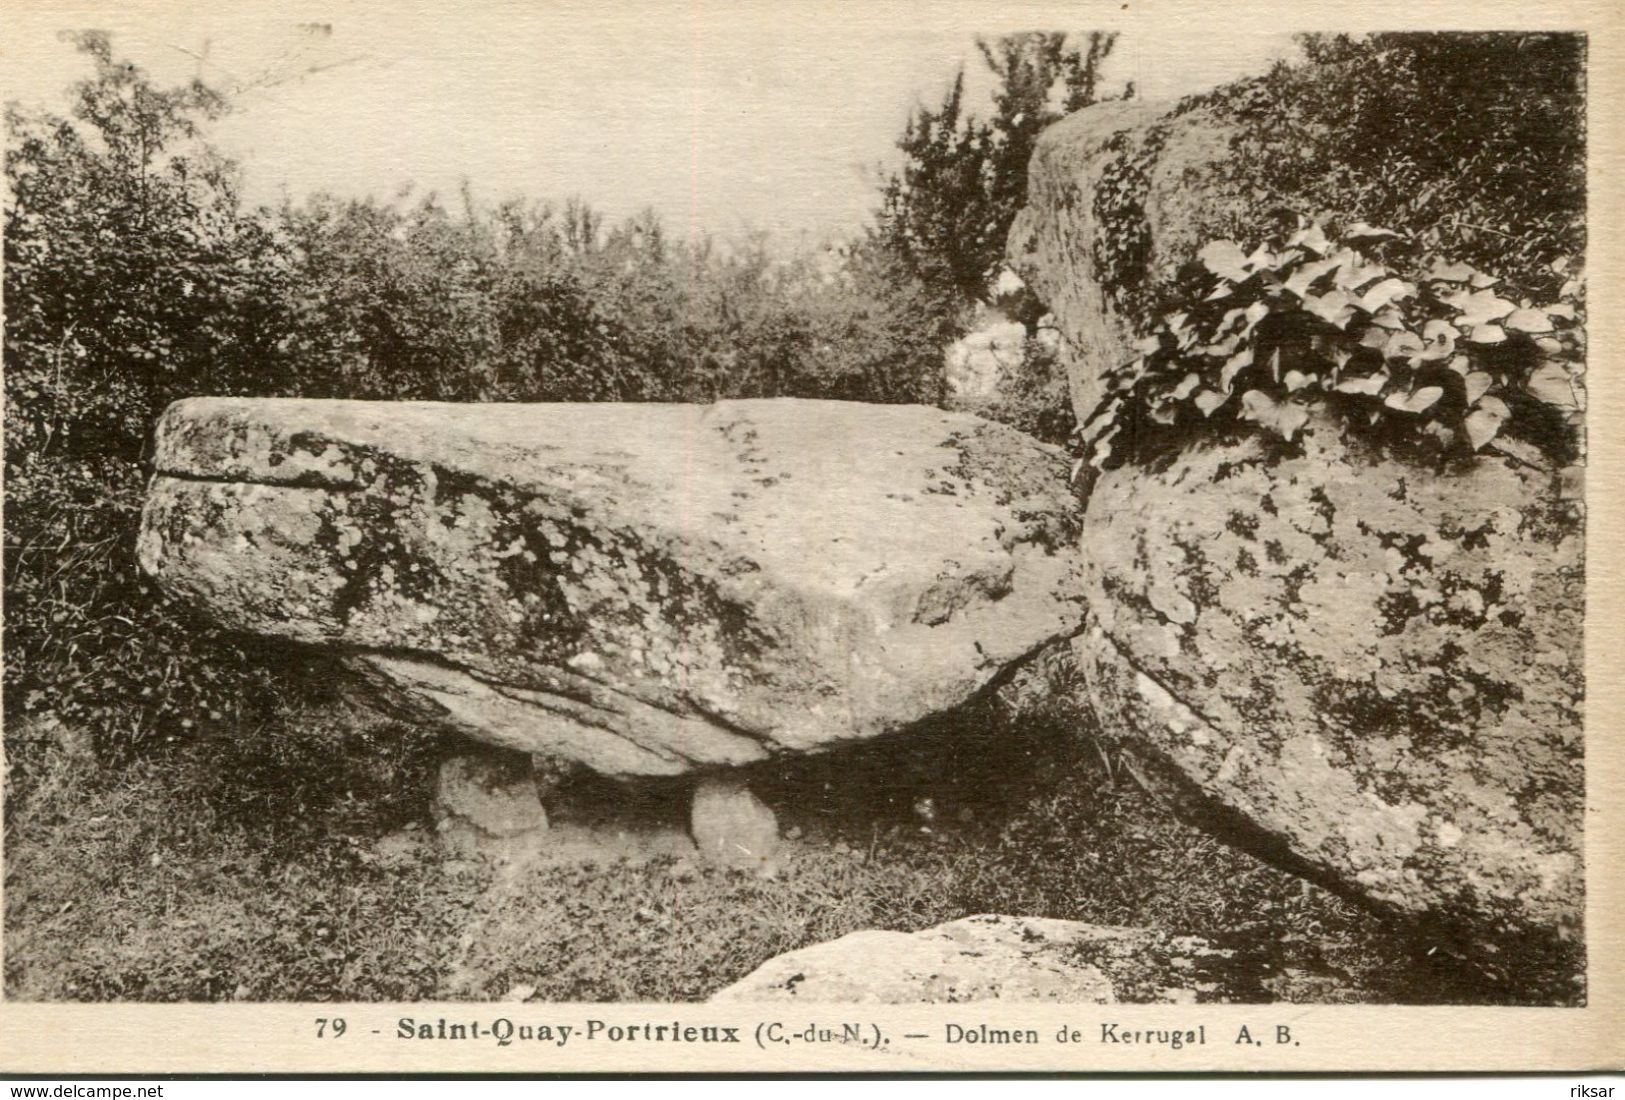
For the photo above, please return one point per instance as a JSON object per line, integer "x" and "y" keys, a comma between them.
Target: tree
{"x": 936, "y": 214}
{"x": 132, "y": 275}
{"x": 1040, "y": 80}
{"x": 946, "y": 214}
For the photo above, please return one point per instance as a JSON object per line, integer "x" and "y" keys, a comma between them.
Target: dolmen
{"x": 642, "y": 589}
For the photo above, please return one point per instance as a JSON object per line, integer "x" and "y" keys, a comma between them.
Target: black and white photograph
{"x": 744, "y": 507}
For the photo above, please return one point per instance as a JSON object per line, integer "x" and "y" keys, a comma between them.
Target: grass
{"x": 295, "y": 862}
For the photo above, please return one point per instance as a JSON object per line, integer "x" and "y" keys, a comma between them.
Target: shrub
{"x": 132, "y": 277}
{"x": 1469, "y": 145}
{"x": 1443, "y": 363}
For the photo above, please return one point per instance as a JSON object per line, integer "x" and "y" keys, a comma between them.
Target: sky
{"x": 722, "y": 116}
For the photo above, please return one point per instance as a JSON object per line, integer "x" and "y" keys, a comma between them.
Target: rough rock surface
{"x": 1120, "y": 195}
{"x": 978, "y": 360}
{"x": 1377, "y": 668}
{"x": 1014, "y": 959}
{"x": 644, "y": 589}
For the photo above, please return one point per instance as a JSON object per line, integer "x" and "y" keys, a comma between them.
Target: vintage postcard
{"x": 792, "y": 537}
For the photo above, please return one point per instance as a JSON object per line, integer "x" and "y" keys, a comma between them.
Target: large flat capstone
{"x": 645, "y": 589}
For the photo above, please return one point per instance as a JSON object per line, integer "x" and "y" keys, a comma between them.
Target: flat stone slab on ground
{"x": 1014, "y": 960}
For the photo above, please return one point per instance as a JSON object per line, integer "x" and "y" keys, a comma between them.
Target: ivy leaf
{"x": 1334, "y": 307}
{"x": 1403, "y": 345}
{"x": 1532, "y": 321}
{"x": 1483, "y": 306}
{"x": 1478, "y": 384}
{"x": 1480, "y": 281}
{"x": 1262, "y": 259}
{"x": 1457, "y": 272}
{"x": 1209, "y": 401}
{"x": 1385, "y": 293}
{"x": 1296, "y": 380}
{"x": 1389, "y": 318}
{"x": 1456, "y": 299}
{"x": 1487, "y": 334}
{"x": 1440, "y": 338}
{"x": 1314, "y": 239}
{"x": 1353, "y": 272}
{"x": 1375, "y": 337}
{"x": 1284, "y": 418}
{"x": 1226, "y": 260}
{"x": 1369, "y": 386}
{"x": 1185, "y": 386}
{"x": 1233, "y": 366}
{"x": 1418, "y": 401}
{"x": 1360, "y": 231}
{"x": 1301, "y": 279}
{"x": 1550, "y": 383}
{"x": 1484, "y": 423}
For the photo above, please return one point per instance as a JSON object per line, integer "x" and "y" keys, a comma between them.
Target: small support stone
{"x": 550, "y": 772}
{"x": 731, "y": 826}
{"x": 486, "y": 803}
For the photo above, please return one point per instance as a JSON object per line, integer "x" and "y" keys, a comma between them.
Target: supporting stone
{"x": 731, "y": 826}
{"x": 549, "y": 773}
{"x": 487, "y": 804}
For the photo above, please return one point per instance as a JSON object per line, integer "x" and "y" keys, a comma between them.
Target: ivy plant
{"x": 1448, "y": 362}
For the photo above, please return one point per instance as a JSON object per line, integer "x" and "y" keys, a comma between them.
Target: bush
{"x": 1469, "y": 145}
{"x": 132, "y": 278}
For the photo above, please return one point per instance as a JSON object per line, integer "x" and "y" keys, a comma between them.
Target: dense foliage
{"x": 1469, "y": 145}
{"x": 1443, "y": 363}
{"x": 135, "y": 276}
